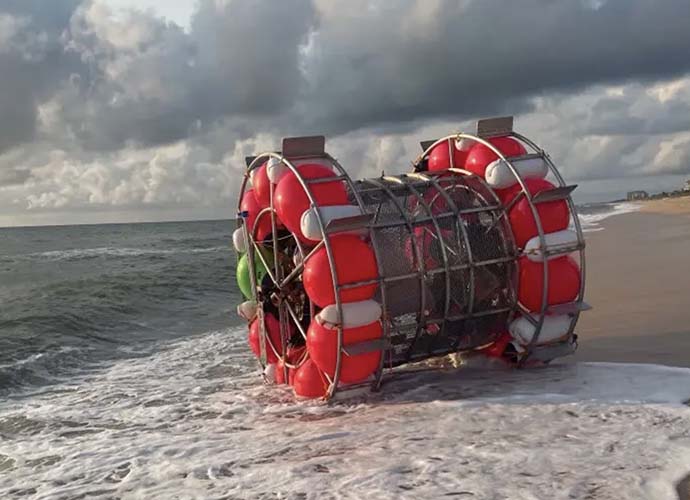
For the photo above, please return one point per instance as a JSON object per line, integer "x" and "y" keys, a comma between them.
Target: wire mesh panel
{"x": 449, "y": 262}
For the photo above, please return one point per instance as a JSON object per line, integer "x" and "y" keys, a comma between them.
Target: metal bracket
{"x": 552, "y": 351}
{"x": 555, "y": 194}
{"x": 490, "y": 127}
{"x": 348, "y": 223}
{"x": 365, "y": 347}
{"x": 426, "y": 144}
{"x": 569, "y": 308}
{"x": 300, "y": 147}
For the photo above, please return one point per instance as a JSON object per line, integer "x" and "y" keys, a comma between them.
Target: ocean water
{"x": 76, "y": 298}
{"x": 591, "y": 214}
{"x": 125, "y": 374}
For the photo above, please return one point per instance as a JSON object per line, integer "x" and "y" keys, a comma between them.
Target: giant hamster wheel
{"x": 353, "y": 279}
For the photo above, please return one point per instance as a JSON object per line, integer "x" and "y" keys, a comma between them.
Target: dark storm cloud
{"x": 292, "y": 67}
{"x": 633, "y": 114}
{"x": 102, "y": 109}
{"x": 136, "y": 79}
{"x": 154, "y": 83}
{"x": 32, "y": 63}
{"x": 429, "y": 59}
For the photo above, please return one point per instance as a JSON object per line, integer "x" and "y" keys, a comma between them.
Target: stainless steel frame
{"x": 390, "y": 190}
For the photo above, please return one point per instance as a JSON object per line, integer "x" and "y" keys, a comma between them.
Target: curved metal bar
{"x": 497, "y": 212}
{"x": 488, "y": 209}
{"x": 537, "y": 220}
{"x": 379, "y": 265}
{"x": 329, "y": 253}
{"x": 249, "y": 243}
{"x": 282, "y": 319}
{"x": 540, "y": 231}
{"x": 415, "y": 250}
{"x": 444, "y": 255}
{"x": 576, "y": 223}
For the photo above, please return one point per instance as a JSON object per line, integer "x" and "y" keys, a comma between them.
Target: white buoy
{"x": 309, "y": 223}
{"x": 564, "y": 239}
{"x": 499, "y": 175}
{"x": 270, "y": 373}
{"x": 238, "y": 240}
{"x": 554, "y": 328}
{"x": 355, "y": 314}
{"x": 247, "y": 310}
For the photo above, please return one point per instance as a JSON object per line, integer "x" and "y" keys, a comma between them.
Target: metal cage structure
{"x": 446, "y": 257}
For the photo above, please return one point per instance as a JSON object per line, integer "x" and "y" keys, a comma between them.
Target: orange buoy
{"x": 272, "y": 334}
{"x": 564, "y": 282}
{"x": 354, "y": 262}
{"x": 480, "y": 156}
{"x": 554, "y": 215}
{"x": 251, "y": 205}
{"x": 280, "y": 372}
{"x": 293, "y": 356}
{"x": 439, "y": 157}
{"x": 290, "y": 200}
{"x": 429, "y": 246}
{"x": 497, "y": 349}
{"x": 262, "y": 186}
{"x": 322, "y": 344}
{"x": 309, "y": 382}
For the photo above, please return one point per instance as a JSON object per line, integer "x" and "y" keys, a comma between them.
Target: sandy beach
{"x": 638, "y": 282}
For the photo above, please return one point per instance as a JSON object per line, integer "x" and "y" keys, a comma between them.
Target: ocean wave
{"x": 590, "y": 221}
{"x": 38, "y": 369}
{"x": 232, "y": 436}
{"x": 90, "y": 253}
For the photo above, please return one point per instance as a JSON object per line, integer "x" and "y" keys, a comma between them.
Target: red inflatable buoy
{"x": 554, "y": 215}
{"x": 564, "y": 282}
{"x": 439, "y": 157}
{"x": 429, "y": 246}
{"x": 272, "y": 333}
{"x": 293, "y": 356}
{"x": 262, "y": 186}
{"x": 251, "y": 205}
{"x": 497, "y": 349}
{"x": 354, "y": 262}
{"x": 480, "y": 156}
{"x": 322, "y": 344}
{"x": 290, "y": 200}
{"x": 309, "y": 382}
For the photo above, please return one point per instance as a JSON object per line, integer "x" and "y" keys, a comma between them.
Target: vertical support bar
{"x": 415, "y": 250}
{"x": 444, "y": 254}
{"x": 576, "y": 223}
{"x": 379, "y": 265}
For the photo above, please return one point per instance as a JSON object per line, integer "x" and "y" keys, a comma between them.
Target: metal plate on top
{"x": 298, "y": 147}
{"x": 495, "y": 126}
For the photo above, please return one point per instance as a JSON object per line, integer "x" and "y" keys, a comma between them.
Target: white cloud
{"x": 118, "y": 111}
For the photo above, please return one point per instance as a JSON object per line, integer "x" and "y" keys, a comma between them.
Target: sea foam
{"x": 193, "y": 420}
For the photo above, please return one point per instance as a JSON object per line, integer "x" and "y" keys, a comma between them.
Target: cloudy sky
{"x": 124, "y": 110}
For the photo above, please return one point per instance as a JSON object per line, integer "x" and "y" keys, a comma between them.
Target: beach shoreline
{"x": 678, "y": 205}
{"x": 637, "y": 268}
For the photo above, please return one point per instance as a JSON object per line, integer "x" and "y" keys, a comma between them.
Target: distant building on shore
{"x": 637, "y": 195}
{"x": 687, "y": 185}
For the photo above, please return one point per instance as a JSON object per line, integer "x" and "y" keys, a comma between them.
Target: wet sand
{"x": 638, "y": 282}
